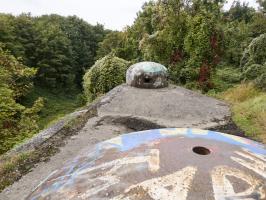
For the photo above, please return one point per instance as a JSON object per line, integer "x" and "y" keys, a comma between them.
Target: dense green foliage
{"x": 190, "y": 37}
{"x": 113, "y": 42}
{"x": 56, "y": 105}
{"x": 183, "y": 36}
{"x": 60, "y": 47}
{"x": 254, "y": 61}
{"x": 46, "y": 57}
{"x": 104, "y": 75}
{"x": 203, "y": 46}
{"x": 262, "y": 4}
{"x": 16, "y": 120}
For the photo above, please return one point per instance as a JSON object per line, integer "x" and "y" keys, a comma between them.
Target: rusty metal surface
{"x": 170, "y": 164}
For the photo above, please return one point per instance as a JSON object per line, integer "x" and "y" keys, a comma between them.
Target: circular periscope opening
{"x": 201, "y": 150}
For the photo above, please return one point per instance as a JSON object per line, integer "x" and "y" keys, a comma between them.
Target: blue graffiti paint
{"x": 135, "y": 139}
{"x": 132, "y": 140}
{"x": 59, "y": 182}
{"x": 252, "y": 146}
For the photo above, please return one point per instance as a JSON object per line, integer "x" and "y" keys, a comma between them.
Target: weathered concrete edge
{"x": 28, "y": 154}
{"x": 46, "y": 134}
{"x": 48, "y": 144}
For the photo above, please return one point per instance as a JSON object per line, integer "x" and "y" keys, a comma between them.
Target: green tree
{"x": 203, "y": 45}
{"x": 104, "y": 75}
{"x": 25, "y": 37}
{"x": 257, "y": 25}
{"x": 240, "y": 12}
{"x": 18, "y": 35}
{"x": 16, "y": 121}
{"x": 163, "y": 42}
{"x": 7, "y": 32}
{"x": 61, "y": 47}
{"x": 262, "y": 4}
{"x": 54, "y": 56}
{"x": 113, "y": 42}
{"x": 236, "y": 39}
{"x": 84, "y": 39}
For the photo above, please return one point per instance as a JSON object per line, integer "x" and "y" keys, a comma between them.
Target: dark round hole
{"x": 147, "y": 80}
{"x": 201, "y": 150}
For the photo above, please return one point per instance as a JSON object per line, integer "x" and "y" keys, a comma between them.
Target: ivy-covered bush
{"x": 252, "y": 71}
{"x": 253, "y": 61}
{"x": 104, "y": 75}
{"x": 17, "y": 122}
{"x": 260, "y": 82}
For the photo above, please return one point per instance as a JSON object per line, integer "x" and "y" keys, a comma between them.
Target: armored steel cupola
{"x": 147, "y": 75}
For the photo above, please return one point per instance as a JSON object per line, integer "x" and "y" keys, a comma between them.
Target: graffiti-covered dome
{"x": 147, "y": 75}
{"x": 162, "y": 164}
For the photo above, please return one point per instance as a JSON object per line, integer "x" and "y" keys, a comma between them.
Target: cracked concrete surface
{"x": 126, "y": 109}
{"x": 169, "y": 107}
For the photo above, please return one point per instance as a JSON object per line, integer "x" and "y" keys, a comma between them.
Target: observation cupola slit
{"x": 149, "y": 75}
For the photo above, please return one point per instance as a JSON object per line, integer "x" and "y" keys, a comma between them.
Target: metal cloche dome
{"x": 147, "y": 75}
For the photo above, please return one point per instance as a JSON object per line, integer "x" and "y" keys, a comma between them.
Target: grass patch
{"x": 56, "y": 105}
{"x": 241, "y": 93}
{"x": 13, "y": 168}
{"x": 224, "y": 78}
{"x": 249, "y": 109}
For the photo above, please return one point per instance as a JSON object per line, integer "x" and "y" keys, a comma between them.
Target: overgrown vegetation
{"x": 203, "y": 46}
{"x": 60, "y": 47}
{"x": 45, "y": 57}
{"x": 254, "y": 62}
{"x": 194, "y": 39}
{"x": 104, "y": 75}
{"x": 13, "y": 166}
{"x": 249, "y": 109}
{"x": 56, "y": 105}
{"x": 16, "y": 120}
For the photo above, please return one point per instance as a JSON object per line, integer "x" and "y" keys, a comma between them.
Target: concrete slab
{"x": 162, "y": 164}
{"x": 172, "y": 106}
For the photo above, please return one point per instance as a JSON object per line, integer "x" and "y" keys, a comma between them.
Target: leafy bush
{"x": 104, "y": 75}
{"x": 252, "y": 71}
{"x": 254, "y": 61}
{"x": 225, "y": 77}
{"x": 188, "y": 74}
{"x": 256, "y": 52}
{"x": 260, "y": 82}
{"x": 257, "y": 49}
{"x": 16, "y": 121}
{"x": 236, "y": 39}
{"x": 229, "y": 75}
